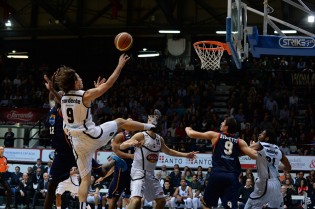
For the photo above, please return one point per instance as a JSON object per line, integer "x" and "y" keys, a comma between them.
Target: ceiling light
{"x": 311, "y": 19}
{"x": 169, "y": 31}
{"x": 150, "y": 54}
{"x": 287, "y": 31}
{"x": 8, "y": 23}
{"x": 18, "y": 56}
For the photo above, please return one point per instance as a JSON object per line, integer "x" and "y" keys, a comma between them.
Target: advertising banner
{"x": 22, "y": 155}
{"x": 21, "y": 115}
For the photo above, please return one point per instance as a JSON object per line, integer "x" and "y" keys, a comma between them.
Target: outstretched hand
{"x": 192, "y": 155}
{"x": 123, "y": 59}
{"x": 99, "y": 81}
{"x": 48, "y": 83}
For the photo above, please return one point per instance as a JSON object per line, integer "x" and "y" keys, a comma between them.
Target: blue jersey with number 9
{"x": 225, "y": 154}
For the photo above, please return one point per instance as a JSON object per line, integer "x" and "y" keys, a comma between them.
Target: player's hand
{"x": 99, "y": 81}
{"x": 123, "y": 59}
{"x": 48, "y": 83}
{"x": 192, "y": 155}
{"x": 136, "y": 143}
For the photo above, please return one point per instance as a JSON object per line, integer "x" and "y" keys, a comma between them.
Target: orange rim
{"x": 220, "y": 46}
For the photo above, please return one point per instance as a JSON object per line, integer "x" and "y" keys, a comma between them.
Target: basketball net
{"x": 210, "y": 53}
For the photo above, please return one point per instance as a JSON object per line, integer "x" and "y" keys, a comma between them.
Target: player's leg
{"x": 212, "y": 191}
{"x": 114, "y": 190}
{"x": 8, "y": 194}
{"x": 83, "y": 190}
{"x": 136, "y": 193}
{"x": 132, "y": 125}
{"x": 153, "y": 190}
{"x": 256, "y": 199}
{"x": 231, "y": 187}
{"x": 103, "y": 201}
{"x": 273, "y": 194}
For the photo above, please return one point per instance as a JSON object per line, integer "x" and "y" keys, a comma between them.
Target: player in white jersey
{"x": 267, "y": 188}
{"x": 148, "y": 145}
{"x": 71, "y": 185}
{"x": 85, "y": 136}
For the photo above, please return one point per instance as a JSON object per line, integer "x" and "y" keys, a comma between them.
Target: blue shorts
{"x": 222, "y": 185}
{"x": 119, "y": 184}
{"x": 62, "y": 164}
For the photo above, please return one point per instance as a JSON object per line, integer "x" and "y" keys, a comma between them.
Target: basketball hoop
{"x": 210, "y": 53}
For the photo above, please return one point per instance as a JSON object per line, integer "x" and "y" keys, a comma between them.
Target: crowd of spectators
{"x": 261, "y": 96}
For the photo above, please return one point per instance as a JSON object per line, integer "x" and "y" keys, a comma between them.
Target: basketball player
{"x": 148, "y": 145}
{"x": 64, "y": 159}
{"x": 121, "y": 180}
{"x": 85, "y": 136}
{"x": 267, "y": 188}
{"x": 223, "y": 181}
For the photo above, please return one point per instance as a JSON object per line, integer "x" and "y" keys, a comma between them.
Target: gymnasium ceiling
{"x": 39, "y": 19}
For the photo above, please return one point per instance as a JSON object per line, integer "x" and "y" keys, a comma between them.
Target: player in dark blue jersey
{"x": 223, "y": 181}
{"x": 121, "y": 179}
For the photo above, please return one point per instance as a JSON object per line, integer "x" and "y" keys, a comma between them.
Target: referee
{"x": 3, "y": 169}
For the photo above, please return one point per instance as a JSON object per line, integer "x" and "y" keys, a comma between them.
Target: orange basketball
{"x": 123, "y": 41}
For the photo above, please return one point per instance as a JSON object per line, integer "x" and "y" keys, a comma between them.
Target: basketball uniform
{"x": 85, "y": 136}
{"x": 121, "y": 179}
{"x": 143, "y": 182}
{"x": 223, "y": 181}
{"x": 267, "y": 185}
{"x": 71, "y": 184}
{"x": 187, "y": 202}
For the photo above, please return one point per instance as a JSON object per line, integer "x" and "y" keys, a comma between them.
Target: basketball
{"x": 123, "y": 41}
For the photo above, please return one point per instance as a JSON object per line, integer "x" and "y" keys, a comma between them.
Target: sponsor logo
{"x": 13, "y": 115}
{"x": 52, "y": 119}
{"x": 297, "y": 42}
{"x": 70, "y": 100}
{"x": 312, "y": 165}
{"x": 152, "y": 158}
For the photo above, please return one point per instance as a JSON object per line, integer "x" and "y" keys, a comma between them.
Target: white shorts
{"x": 71, "y": 185}
{"x": 265, "y": 191}
{"x": 144, "y": 184}
{"x": 85, "y": 146}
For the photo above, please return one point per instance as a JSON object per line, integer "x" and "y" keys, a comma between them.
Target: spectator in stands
{"x": 158, "y": 176}
{"x": 284, "y": 148}
{"x": 30, "y": 172}
{"x": 301, "y": 65}
{"x": 302, "y": 188}
{"x": 169, "y": 140}
{"x": 195, "y": 184}
{"x": 248, "y": 175}
{"x": 41, "y": 189}
{"x": 290, "y": 187}
{"x": 200, "y": 177}
{"x": 164, "y": 171}
{"x": 287, "y": 198}
{"x": 48, "y": 167}
{"x": 39, "y": 165}
{"x": 293, "y": 101}
{"x": 175, "y": 177}
{"x": 244, "y": 193}
{"x": 299, "y": 177}
{"x": 9, "y": 138}
{"x": 284, "y": 114}
{"x": 311, "y": 178}
{"x": 37, "y": 176}
{"x": 208, "y": 172}
{"x": 168, "y": 192}
{"x": 15, "y": 179}
{"x": 26, "y": 190}
{"x": 182, "y": 196}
